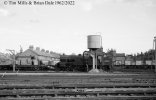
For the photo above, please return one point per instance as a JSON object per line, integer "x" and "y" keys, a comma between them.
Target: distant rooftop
{"x": 41, "y": 53}
{"x": 120, "y": 54}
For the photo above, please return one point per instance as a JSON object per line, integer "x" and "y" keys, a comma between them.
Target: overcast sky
{"x": 128, "y": 26}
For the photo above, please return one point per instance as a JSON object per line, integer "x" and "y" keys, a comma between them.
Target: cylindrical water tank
{"x": 94, "y": 41}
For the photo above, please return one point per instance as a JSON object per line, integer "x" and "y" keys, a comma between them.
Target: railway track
{"x": 78, "y": 86}
{"x": 109, "y": 93}
{"x": 85, "y": 92}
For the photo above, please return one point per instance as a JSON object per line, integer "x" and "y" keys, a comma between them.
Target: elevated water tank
{"x": 94, "y": 42}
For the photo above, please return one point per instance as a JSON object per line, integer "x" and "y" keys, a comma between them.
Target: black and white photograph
{"x": 77, "y": 49}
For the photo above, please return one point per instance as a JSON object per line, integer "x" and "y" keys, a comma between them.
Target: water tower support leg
{"x": 96, "y": 60}
{"x": 93, "y": 56}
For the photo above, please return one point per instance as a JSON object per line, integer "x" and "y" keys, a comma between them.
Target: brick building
{"x": 119, "y": 59}
{"x": 36, "y": 56}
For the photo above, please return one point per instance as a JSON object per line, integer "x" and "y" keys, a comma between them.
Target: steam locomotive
{"x": 105, "y": 63}
{"x": 82, "y": 63}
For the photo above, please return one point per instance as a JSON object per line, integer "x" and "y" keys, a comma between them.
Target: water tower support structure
{"x": 94, "y": 43}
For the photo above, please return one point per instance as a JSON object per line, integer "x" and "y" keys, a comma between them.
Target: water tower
{"x": 94, "y": 43}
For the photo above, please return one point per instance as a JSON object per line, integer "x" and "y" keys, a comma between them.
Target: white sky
{"x": 128, "y": 26}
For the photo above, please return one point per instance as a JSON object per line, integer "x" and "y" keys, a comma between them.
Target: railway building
{"x": 36, "y": 56}
{"x": 119, "y": 59}
{"x": 129, "y": 60}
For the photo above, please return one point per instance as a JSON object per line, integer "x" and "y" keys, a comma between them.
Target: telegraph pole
{"x": 14, "y": 61}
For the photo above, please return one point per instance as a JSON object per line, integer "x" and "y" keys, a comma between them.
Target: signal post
{"x": 14, "y": 58}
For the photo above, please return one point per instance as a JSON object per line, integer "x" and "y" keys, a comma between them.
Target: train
{"x": 83, "y": 63}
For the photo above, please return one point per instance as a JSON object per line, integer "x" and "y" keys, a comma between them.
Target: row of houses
{"x": 35, "y": 56}
{"x": 31, "y": 56}
{"x": 122, "y": 59}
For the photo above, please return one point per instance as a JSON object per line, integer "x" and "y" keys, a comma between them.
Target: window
{"x": 63, "y": 60}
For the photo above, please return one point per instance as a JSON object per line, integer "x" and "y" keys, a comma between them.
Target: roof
{"x": 4, "y": 56}
{"x": 39, "y": 53}
{"x": 120, "y": 54}
{"x": 69, "y": 56}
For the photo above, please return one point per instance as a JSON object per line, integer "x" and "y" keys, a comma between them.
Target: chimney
{"x": 31, "y": 47}
{"x": 38, "y": 48}
{"x": 51, "y": 52}
{"x": 43, "y": 50}
{"x": 21, "y": 49}
{"x": 47, "y": 51}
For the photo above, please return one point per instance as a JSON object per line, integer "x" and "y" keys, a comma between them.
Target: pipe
{"x": 84, "y": 58}
{"x": 94, "y": 61}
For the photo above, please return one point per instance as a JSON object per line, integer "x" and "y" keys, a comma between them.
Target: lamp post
{"x": 14, "y": 61}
